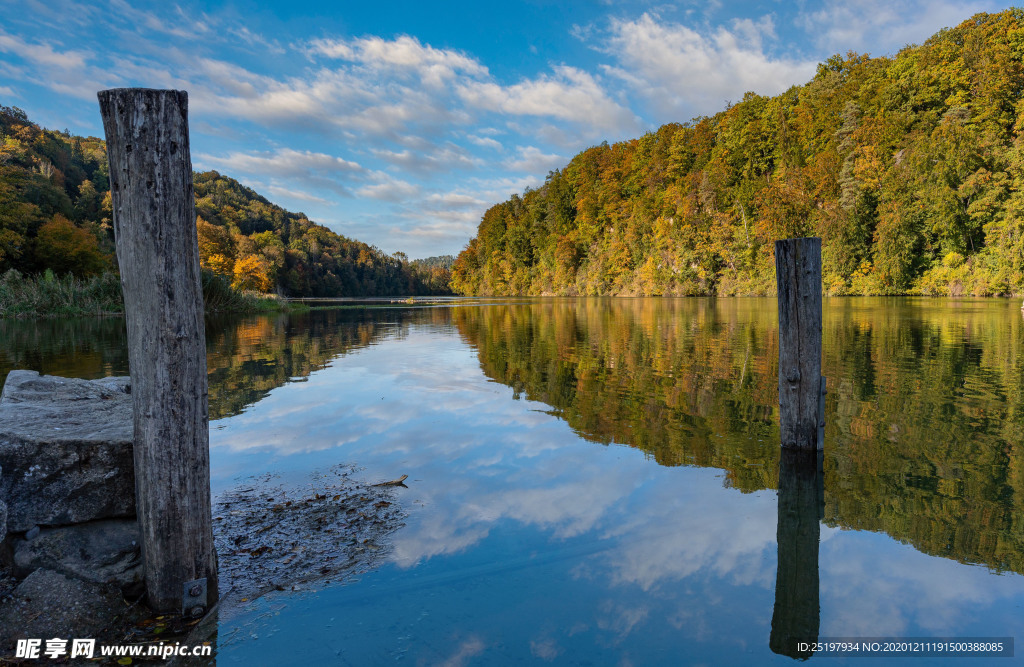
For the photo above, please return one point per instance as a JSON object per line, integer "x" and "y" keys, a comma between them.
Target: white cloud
{"x": 533, "y": 160}
{"x": 501, "y": 188}
{"x": 449, "y": 216}
{"x": 572, "y": 142}
{"x": 177, "y": 25}
{"x": 58, "y": 12}
{"x": 571, "y": 94}
{"x": 324, "y": 102}
{"x": 683, "y": 73}
{"x": 403, "y": 54}
{"x": 42, "y": 54}
{"x": 66, "y": 72}
{"x": 285, "y": 161}
{"x": 231, "y": 78}
{"x": 390, "y": 190}
{"x": 311, "y": 169}
{"x": 485, "y": 142}
{"x": 454, "y": 200}
{"x": 291, "y": 193}
{"x": 882, "y": 25}
{"x": 754, "y": 32}
{"x": 448, "y": 157}
{"x": 438, "y": 230}
{"x": 256, "y": 40}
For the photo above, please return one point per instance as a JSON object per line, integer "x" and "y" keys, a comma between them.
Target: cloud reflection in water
{"x": 657, "y": 550}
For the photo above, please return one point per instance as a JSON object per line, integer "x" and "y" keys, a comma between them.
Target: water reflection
{"x": 925, "y": 419}
{"x": 527, "y": 542}
{"x": 797, "y": 612}
{"x": 247, "y": 357}
{"x": 87, "y": 347}
{"x": 603, "y": 490}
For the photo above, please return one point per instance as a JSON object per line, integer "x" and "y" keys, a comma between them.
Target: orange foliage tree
{"x": 65, "y": 248}
{"x": 253, "y": 272}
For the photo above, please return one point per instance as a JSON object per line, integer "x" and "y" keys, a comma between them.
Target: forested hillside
{"x": 909, "y": 167}
{"x": 55, "y": 213}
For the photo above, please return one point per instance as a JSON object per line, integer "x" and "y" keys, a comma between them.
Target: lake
{"x": 594, "y": 481}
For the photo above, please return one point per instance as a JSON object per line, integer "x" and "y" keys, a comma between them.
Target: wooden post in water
{"x": 798, "y": 275}
{"x": 158, "y": 255}
{"x": 796, "y": 617}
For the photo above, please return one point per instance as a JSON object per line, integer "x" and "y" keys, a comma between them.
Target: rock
{"x": 65, "y": 450}
{"x": 48, "y": 604}
{"x": 3, "y": 520}
{"x": 100, "y": 552}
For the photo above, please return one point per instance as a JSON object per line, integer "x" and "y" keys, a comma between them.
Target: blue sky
{"x": 400, "y": 123}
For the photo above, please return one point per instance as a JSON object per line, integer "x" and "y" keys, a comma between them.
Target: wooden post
{"x": 796, "y": 617}
{"x": 158, "y": 255}
{"x": 798, "y": 275}
{"x": 797, "y": 614}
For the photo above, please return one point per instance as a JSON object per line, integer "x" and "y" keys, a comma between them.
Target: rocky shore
{"x": 70, "y": 539}
{"x": 70, "y": 558}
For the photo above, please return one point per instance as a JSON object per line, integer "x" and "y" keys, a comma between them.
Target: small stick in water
{"x": 394, "y": 482}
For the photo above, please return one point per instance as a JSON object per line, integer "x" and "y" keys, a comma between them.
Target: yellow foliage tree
{"x": 219, "y": 264}
{"x": 213, "y": 240}
{"x": 253, "y": 272}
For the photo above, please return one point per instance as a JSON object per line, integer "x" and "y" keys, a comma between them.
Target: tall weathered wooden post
{"x": 158, "y": 256}
{"x": 798, "y": 276}
{"x": 796, "y": 617}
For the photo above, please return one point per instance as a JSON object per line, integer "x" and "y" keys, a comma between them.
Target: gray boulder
{"x": 48, "y": 604}
{"x": 65, "y": 450}
{"x": 99, "y": 551}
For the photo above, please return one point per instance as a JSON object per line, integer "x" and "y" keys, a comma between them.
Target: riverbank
{"x": 48, "y": 295}
{"x": 70, "y": 554}
{"x": 272, "y": 539}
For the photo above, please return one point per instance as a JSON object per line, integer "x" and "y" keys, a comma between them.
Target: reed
{"x": 50, "y": 295}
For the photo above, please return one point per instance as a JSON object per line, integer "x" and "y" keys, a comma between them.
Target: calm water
{"x": 594, "y": 481}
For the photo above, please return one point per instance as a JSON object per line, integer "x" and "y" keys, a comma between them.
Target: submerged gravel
{"x": 272, "y": 536}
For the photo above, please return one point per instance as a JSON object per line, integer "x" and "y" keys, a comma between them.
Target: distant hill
{"x": 441, "y": 261}
{"x": 242, "y": 233}
{"x": 55, "y": 213}
{"x": 909, "y": 167}
{"x": 435, "y": 273}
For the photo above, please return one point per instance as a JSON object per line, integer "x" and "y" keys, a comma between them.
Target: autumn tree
{"x": 65, "y": 248}
{"x": 253, "y": 273}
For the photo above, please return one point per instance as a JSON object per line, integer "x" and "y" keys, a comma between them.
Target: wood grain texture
{"x": 798, "y": 275}
{"x": 158, "y": 255}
